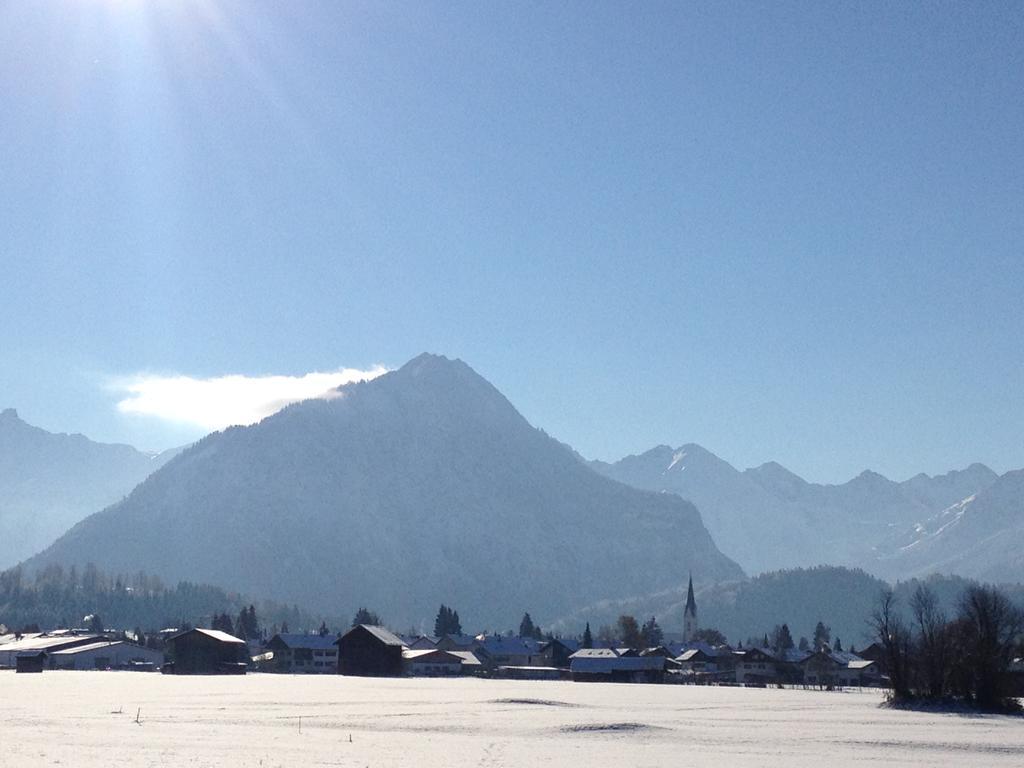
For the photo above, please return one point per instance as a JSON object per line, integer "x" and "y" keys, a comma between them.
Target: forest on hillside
{"x": 58, "y": 598}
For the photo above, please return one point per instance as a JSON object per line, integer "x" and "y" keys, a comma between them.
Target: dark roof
{"x": 386, "y": 636}
{"x": 568, "y": 643}
{"x": 606, "y": 665}
{"x": 497, "y": 645}
{"x": 463, "y": 641}
{"x": 296, "y": 640}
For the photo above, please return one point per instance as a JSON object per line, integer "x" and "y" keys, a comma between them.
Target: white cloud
{"x": 224, "y": 401}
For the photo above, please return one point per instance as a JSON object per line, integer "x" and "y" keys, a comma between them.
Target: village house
{"x": 698, "y": 661}
{"x": 303, "y": 654}
{"x": 457, "y": 643}
{"x": 755, "y": 666}
{"x": 556, "y": 653}
{"x": 500, "y": 651}
{"x": 432, "y": 662}
{"x": 370, "y": 651}
{"x": 616, "y": 666}
{"x": 206, "y": 652}
{"x": 471, "y": 664}
{"x": 828, "y": 668}
{"x": 419, "y": 642}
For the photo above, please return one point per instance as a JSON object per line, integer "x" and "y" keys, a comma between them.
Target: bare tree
{"x": 934, "y": 641}
{"x": 893, "y": 636}
{"x": 989, "y": 627}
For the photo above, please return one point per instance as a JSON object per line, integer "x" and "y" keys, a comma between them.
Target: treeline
{"x": 800, "y": 597}
{"x": 962, "y": 657}
{"x": 58, "y": 598}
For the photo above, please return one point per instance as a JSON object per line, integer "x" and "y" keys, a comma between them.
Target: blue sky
{"x": 784, "y": 231}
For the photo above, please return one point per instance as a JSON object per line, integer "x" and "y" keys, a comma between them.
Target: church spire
{"x": 689, "y": 614}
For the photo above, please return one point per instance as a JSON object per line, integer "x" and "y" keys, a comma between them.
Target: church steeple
{"x": 690, "y": 614}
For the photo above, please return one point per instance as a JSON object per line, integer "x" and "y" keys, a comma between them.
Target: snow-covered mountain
{"x": 49, "y": 482}
{"x": 981, "y": 536}
{"x": 768, "y": 517}
{"x": 422, "y": 486}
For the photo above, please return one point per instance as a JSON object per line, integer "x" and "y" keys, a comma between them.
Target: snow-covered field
{"x": 87, "y": 720}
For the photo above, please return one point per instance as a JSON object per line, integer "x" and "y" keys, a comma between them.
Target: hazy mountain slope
{"x": 421, "y": 486}
{"x": 743, "y": 518}
{"x": 981, "y": 537}
{"x": 842, "y": 598}
{"x": 49, "y": 482}
{"x": 945, "y": 490}
{"x": 768, "y": 517}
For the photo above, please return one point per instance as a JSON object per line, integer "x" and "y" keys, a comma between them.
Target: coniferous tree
{"x": 822, "y": 636}
{"x": 782, "y": 640}
{"x": 804, "y": 645}
{"x": 651, "y": 633}
{"x": 240, "y": 625}
{"x": 629, "y": 632}
{"x": 366, "y": 616}
{"x": 222, "y": 623}
{"x": 588, "y": 639}
{"x": 447, "y": 622}
{"x": 526, "y": 627}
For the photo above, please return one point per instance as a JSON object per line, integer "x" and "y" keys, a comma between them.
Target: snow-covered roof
{"x": 42, "y": 642}
{"x": 218, "y": 635}
{"x": 452, "y": 658}
{"x": 859, "y": 664}
{"x": 89, "y": 647}
{"x": 12, "y": 637}
{"x": 691, "y": 653}
{"x": 595, "y": 653}
{"x": 386, "y": 636}
{"x": 468, "y": 658}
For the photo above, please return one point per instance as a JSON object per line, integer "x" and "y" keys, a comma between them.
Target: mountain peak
{"x": 772, "y": 470}
{"x": 395, "y": 476}
{"x": 431, "y": 365}
{"x": 9, "y": 413}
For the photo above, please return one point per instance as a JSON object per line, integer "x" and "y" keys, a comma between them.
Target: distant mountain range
{"x": 427, "y": 486}
{"x": 422, "y": 486}
{"x": 981, "y": 536}
{"x": 49, "y": 482}
{"x": 768, "y": 518}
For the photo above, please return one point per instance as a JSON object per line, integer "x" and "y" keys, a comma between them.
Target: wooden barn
{"x": 206, "y": 652}
{"x": 370, "y": 651}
